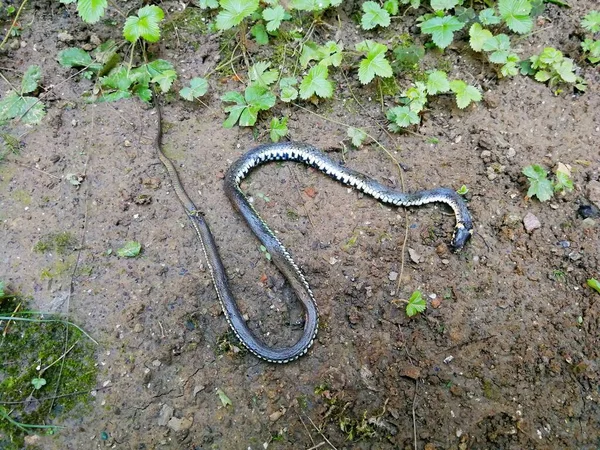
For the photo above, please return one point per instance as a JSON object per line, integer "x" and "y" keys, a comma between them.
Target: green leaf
{"x": 416, "y": 304}
{"x": 542, "y": 76}
{"x": 488, "y": 17}
{"x": 594, "y": 284}
{"x": 90, "y": 11}
{"x": 465, "y": 94}
{"x": 279, "y": 128}
{"x": 516, "y": 15}
{"x": 288, "y": 91}
{"x": 273, "y": 17}
{"x": 437, "y": 82}
{"x": 374, "y": 15}
{"x": 409, "y": 56}
{"x": 463, "y": 190}
{"x": 310, "y": 52}
{"x": 500, "y": 48}
{"x": 30, "y": 80}
{"x": 259, "y": 31}
{"x": 27, "y": 109}
{"x": 130, "y": 250}
{"x": 259, "y": 74}
{"x": 417, "y": 95}
{"x": 313, "y": 5}
{"x": 74, "y": 57}
{"x": 316, "y": 83}
{"x": 207, "y": 4}
{"x": 441, "y": 29}
{"x": 330, "y": 54}
{"x": 510, "y": 68}
{"x": 38, "y": 382}
{"x": 2, "y": 290}
{"x": 539, "y": 185}
{"x": 357, "y": 135}
{"x": 259, "y": 97}
{"x": 197, "y": 88}
{"x": 145, "y": 25}
{"x": 549, "y": 56}
{"x": 563, "y": 182}
{"x": 591, "y": 21}
{"x": 375, "y": 63}
{"x": 224, "y": 399}
{"x": 246, "y": 108}
{"x": 565, "y": 70}
{"x": 403, "y": 116}
{"x": 391, "y": 6}
{"x": 443, "y": 5}
{"x": 592, "y": 49}
{"x": 233, "y": 12}
{"x": 478, "y": 35}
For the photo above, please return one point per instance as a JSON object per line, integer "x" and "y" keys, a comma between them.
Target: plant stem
{"x": 14, "y": 22}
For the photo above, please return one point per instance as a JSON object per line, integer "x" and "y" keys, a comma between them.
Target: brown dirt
{"x": 508, "y": 359}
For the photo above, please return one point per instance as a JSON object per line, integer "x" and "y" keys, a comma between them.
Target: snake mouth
{"x": 462, "y": 233}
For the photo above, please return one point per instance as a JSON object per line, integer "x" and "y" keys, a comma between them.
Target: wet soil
{"x": 506, "y": 354}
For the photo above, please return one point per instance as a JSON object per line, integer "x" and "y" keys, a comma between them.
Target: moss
{"x": 59, "y": 268}
{"x": 22, "y": 196}
{"x": 190, "y": 20}
{"x": 60, "y": 243}
{"x": 35, "y": 349}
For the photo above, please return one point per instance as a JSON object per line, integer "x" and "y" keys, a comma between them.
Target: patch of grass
{"x": 40, "y": 381}
{"x": 60, "y": 243}
{"x": 227, "y": 344}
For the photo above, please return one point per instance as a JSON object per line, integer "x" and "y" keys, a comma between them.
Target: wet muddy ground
{"x": 505, "y": 356}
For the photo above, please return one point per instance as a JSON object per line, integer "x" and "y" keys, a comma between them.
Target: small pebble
{"x": 564, "y": 244}
{"x": 393, "y": 276}
{"x": 531, "y": 222}
{"x": 588, "y": 223}
{"x": 587, "y": 211}
{"x": 445, "y": 261}
{"x": 65, "y": 37}
{"x": 511, "y": 152}
{"x": 156, "y": 363}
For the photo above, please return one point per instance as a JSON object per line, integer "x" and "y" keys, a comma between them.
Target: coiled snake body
{"x": 309, "y": 155}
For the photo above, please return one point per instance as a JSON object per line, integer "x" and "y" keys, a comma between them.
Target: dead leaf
{"x": 311, "y": 192}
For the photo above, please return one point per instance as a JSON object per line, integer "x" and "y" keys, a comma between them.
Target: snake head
{"x": 462, "y": 233}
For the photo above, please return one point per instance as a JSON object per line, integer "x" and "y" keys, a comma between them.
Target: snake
{"x": 310, "y": 156}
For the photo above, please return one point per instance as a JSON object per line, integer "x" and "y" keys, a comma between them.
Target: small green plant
{"x": 197, "y": 88}
{"x": 374, "y": 15}
{"x": 263, "y": 249}
{"x": 279, "y": 128}
{"x": 552, "y": 67}
{"x": 374, "y": 63}
{"x": 594, "y": 284}
{"x": 591, "y": 46}
{"x": 316, "y": 82}
{"x": 415, "y": 304}
{"x": 463, "y": 190}
{"x": 18, "y": 105}
{"x": 145, "y": 25}
{"x": 543, "y": 188}
{"x": 246, "y": 107}
{"x": 357, "y": 135}
{"x": 90, "y": 11}
{"x": 233, "y": 12}
{"x": 131, "y": 249}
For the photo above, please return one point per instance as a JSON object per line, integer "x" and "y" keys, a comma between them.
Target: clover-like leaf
{"x": 273, "y": 16}
{"x": 38, "y": 382}
{"x": 591, "y": 21}
{"x": 442, "y": 29}
{"x": 288, "y": 91}
{"x": 499, "y": 46}
{"x": 465, "y": 93}
{"x": 416, "y": 304}
{"x": 197, "y": 88}
{"x": 316, "y": 83}
{"x": 130, "y": 250}
{"x": 279, "y": 128}
{"x": 516, "y": 15}
{"x": 403, "y": 117}
{"x": 539, "y": 185}
{"x": 437, "y": 82}
{"x": 144, "y": 25}
{"x": 357, "y": 135}
{"x": 233, "y": 12}
{"x": 374, "y": 15}
{"x": 374, "y": 63}
{"x": 488, "y": 17}
{"x": 90, "y": 11}
{"x": 260, "y": 74}
{"x": 443, "y": 5}
{"x": 477, "y": 36}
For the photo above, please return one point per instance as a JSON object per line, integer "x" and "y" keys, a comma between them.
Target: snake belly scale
{"x": 308, "y": 155}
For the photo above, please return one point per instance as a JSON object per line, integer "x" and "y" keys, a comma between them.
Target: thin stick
{"x": 306, "y": 428}
{"x": 65, "y": 322}
{"x": 414, "y": 415}
{"x": 321, "y": 433}
{"x": 33, "y": 168}
{"x": 320, "y": 444}
{"x": 14, "y": 22}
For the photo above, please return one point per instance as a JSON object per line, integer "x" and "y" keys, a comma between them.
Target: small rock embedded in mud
{"x": 65, "y": 37}
{"x": 138, "y": 328}
{"x": 511, "y": 152}
{"x": 197, "y": 389}
{"x": 445, "y": 261}
{"x": 588, "y": 223}
{"x": 436, "y": 303}
{"x": 441, "y": 249}
{"x": 414, "y": 256}
{"x": 127, "y": 143}
{"x": 588, "y": 211}
{"x": 393, "y": 276}
{"x": 276, "y": 415}
{"x": 156, "y": 363}
{"x": 485, "y": 155}
{"x": 177, "y": 424}
{"x": 410, "y": 371}
{"x": 531, "y": 222}
{"x": 166, "y": 412}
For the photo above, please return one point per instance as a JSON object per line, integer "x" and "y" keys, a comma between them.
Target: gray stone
{"x": 531, "y": 222}
{"x": 165, "y": 415}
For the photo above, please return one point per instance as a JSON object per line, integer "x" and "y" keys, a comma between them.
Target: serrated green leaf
{"x": 273, "y": 17}
{"x": 594, "y": 284}
{"x": 591, "y": 21}
{"x": 374, "y": 63}
{"x": 539, "y": 185}
{"x": 225, "y": 401}
{"x": 259, "y": 97}
{"x": 130, "y": 250}
{"x": 416, "y": 304}
{"x": 260, "y": 74}
{"x": 330, "y": 54}
{"x": 74, "y": 57}
{"x": 197, "y": 88}
{"x": 357, "y": 135}
{"x": 403, "y": 116}
{"x": 279, "y": 128}
{"x": 2, "y": 290}
{"x": 488, "y": 17}
{"x": 441, "y": 29}
{"x": 246, "y": 108}
{"x": 316, "y": 83}
{"x": 417, "y": 95}
{"x": 233, "y": 12}
{"x": 465, "y": 93}
{"x": 259, "y": 31}
{"x": 542, "y": 76}
{"x": 26, "y": 109}
{"x": 310, "y": 52}
{"x": 477, "y": 36}
{"x": 499, "y": 46}
{"x": 143, "y": 92}
{"x": 90, "y": 11}
{"x": 462, "y": 190}
{"x": 30, "y": 80}
{"x": 207, "y": 4}
{"x": 443, "y": 5}
{"x": 288, "y": 92}
{"x": 565, "y": 70}
{"x": 144, "y": 25}
{"x": 437, "y": 82}
{"x": 313, "y": 5}
{"x": 374, "y": 15}
{"x": 563, "y": 182}
{"x": 516, "y": 15}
